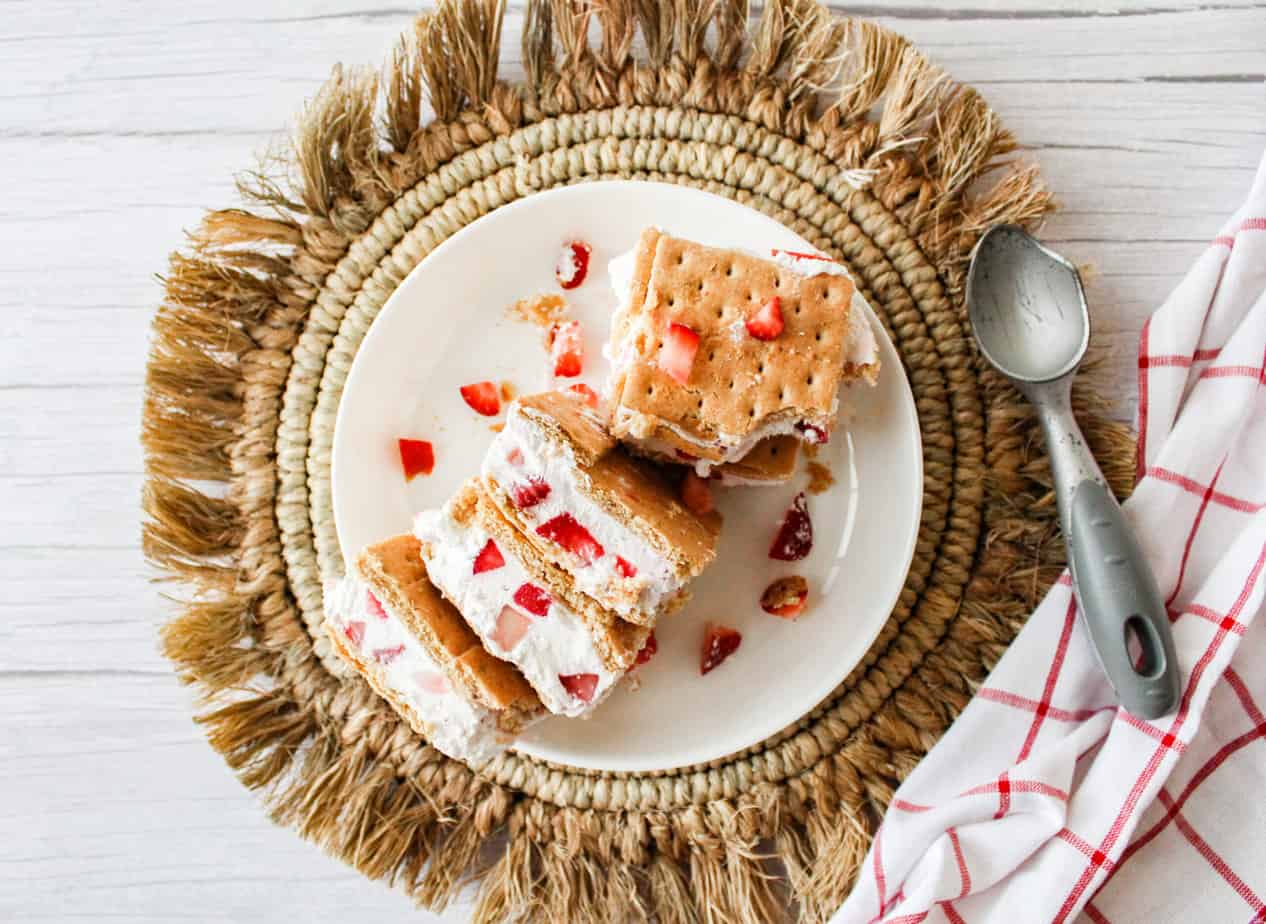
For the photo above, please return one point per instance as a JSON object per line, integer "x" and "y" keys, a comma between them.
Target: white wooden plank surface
{"x": 119, "y": 122}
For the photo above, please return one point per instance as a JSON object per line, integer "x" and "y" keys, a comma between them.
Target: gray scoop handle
{"x": 1115, "y": 586}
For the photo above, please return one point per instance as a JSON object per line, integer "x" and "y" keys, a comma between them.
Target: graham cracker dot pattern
{"x": 795, "y": 375}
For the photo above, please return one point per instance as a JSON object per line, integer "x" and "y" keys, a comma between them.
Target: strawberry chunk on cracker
{"x": 766, "y": 322}
{"x": 677, "y": 355}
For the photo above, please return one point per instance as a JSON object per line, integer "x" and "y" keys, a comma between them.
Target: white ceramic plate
{"x": 446, "y": 326}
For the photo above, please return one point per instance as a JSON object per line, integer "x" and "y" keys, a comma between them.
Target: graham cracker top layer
{"x": 737, "y": 383}
{"x": 394, "y": 570}
{"x": 567, "y": 417}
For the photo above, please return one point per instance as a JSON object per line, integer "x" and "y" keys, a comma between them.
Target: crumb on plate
{"x": 820, "y": 478}
{"x": 543, "y": 310}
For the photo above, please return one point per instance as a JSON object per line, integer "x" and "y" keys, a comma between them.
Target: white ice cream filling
{"x": 734, "y": 447}
{"x": 456, "y": 726}
{"x": 555, "y": 465}
{"x": 556, "y": 644}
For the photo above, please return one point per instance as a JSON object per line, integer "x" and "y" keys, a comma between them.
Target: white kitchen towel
{"x": 1045, "y": 801}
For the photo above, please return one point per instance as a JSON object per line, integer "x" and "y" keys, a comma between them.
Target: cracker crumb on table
{"x": 543, "y": 310}
{"x": 820, "y": 478}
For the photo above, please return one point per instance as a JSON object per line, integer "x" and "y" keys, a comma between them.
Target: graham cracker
{"x": 771, "y": 461}
{"x": 629, "y": 489}
{"x": 626, "y": 315}
{"x": 394, "y": 570}
{"x": 738, "y": 383}
{"x": 617, "y": 642}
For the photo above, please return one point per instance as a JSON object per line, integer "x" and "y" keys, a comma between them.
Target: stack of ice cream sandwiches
{"x": 536, "y": 588}
{"x": 531, "y": 592}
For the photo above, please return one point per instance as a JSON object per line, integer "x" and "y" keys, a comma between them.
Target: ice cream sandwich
{"x": 412, "y": 646}
{"x": 524, "y": 609}
{"x": 717, "y": 352}
{"x": 612, "y": 522}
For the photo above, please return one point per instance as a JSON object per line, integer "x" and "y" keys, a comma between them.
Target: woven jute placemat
{"x": 896, "y": 171}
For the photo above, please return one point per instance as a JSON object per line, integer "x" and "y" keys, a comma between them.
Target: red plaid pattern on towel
{"x": 1046, "y": 802}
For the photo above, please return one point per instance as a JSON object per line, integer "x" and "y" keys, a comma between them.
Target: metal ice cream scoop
{"x": 1029, "y": 315}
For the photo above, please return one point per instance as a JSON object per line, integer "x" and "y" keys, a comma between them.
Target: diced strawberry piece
{"x": 533, "y": 599}
{"x": 511, "y": 627}
{"x": 573, "y": 264}
{"x": 785, "y": 597}
{"x": 387, "y": 655}
{"x": 766, "y": 323}
{"x": 568, "y": 533}
{"x": 489, "y": 558}
{"x": 483, "y": 398}
{"x": 648, "y": 650}
{"x": 432, "y": 682}
{"x": 590, "y": 396}
{"x": 696, "y": 495}
{"x": 515, "y": 456}
{"x": 624, "y": 568}
{"x": 685, "y": 456}
{"x": 794, "y": 539}
{"x": 374, "y": 605}
{"x": 566, "y": 349}
{"x": 417, "y": 457}
{"x": 813, "y": 434}
{"x": 719, "y": 642}
{"x": 677, "y": 355}
{"x": 581, "y": 686}
{"x": 529, "y": 493}
{"x": 355, "y": 632}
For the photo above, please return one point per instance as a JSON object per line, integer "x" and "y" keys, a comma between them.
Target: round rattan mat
{"x": 263, "y": 316}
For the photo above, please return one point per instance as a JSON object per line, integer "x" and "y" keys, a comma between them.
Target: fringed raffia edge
{"x": 330, "y": 759}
